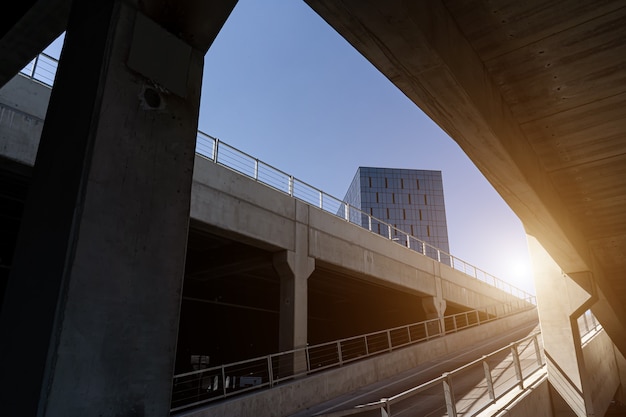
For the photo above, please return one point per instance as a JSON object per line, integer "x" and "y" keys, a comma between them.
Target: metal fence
{"x": 43, "y": 69}
{"x": 221, "y": 153}
{"x": 488, "y": 378}
{"x": 588, "y": 326}
{"x": 205, "y": 385}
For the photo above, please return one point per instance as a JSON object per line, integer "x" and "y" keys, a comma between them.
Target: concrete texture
{"x": 92, "y": 324}
{"x": 602, "y": 371}
{"x": 23, "y": 106}
{"x": 231, "y": 204}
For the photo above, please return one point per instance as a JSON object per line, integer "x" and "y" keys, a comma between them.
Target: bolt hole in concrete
{"x": 152, "y": 98}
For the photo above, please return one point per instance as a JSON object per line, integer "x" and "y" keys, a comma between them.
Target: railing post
{"x": 455, "y": 326}
{"x": 449, "y": 395}
{"x": 256, "y": 169}
{"x": 408, "y": 333}
{"x": 386, "y": 410}
{"x": 477, "y": 318}
{"x": 517, "y": 365}
{"x": 223, "y": 381}
{"x": 291, "y": 185}
{"x": 321, "y": 200}
{"x": 389, "y": 231}
{"x": 32, "y": 75}
{"x": 426, "y": 330}
{"x": 339, "y": 353}
{"x": 367, "y": 349}
{"x": 215, "y": 149}
{"x": 389, "y": 340}
{"x": 424, "y": 248}
{"x": 438, "y": 255}
{"x": 346, "y": 211}
{"x": 537, "y": 351}
{"x": 369, "y": 223}
{"x": 308, "y": 359}
{"x": 408, "y": 241}
{"x": 270, "y": 370}
{"x": 492, "y": 393}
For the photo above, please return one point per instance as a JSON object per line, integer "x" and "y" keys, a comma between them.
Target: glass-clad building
{"x": 408, "y": 199}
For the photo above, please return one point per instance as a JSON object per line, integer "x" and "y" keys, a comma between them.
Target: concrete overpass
{"x": 338, "y": 279}
{"x": 531, "y": 92}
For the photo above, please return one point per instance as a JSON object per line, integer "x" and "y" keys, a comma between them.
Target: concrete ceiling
{"x": 535, "y": 93}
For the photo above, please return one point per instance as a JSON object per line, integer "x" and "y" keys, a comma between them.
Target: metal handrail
{"x": 243, "y": 163}
{"x": 588, "y": 326}
{"x": 205, "y": 385}
{"x": 42, "y": 68}
{"x": 230, "y": 157}
{"x": 530, "y": 351}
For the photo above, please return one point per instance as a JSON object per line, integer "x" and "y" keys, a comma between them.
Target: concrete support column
{"x": 294, "y": 269}
{"x": 560, "y": 301}
{"x": 435, "y": 308}
{"x": 90, "y": 321}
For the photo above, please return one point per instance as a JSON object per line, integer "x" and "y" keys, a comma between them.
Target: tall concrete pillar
{"x": 294, "y": 269}
{"x": 560, "y": 301}
{"x": 90, "y": 318}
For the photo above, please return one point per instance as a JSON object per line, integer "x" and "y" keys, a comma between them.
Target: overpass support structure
{"x": 517, "y": 88}
{"x": 94, "y": 292}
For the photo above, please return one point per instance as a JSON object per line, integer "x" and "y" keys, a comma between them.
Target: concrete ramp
{"x": 309, "y": 395}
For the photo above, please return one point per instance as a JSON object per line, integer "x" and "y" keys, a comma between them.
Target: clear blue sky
{"x": 282, "y": 85}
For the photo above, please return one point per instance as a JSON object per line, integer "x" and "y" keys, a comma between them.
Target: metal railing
{"x": 498, "y": 373}
{"x": 43, "y": 68}
{"x": 205, "y": 385}
{"x": 226, "y": 155}
{"x": 588, "y": 326}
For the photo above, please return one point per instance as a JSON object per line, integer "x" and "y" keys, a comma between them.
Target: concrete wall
{"x": 602, "y": 371}
{"x": 536, "y": 402}
{"x": 23, "y": 106}
{"x": 297, "y": 395}
{"x": 241, "y": 208}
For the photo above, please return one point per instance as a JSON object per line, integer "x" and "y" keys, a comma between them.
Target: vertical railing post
{"x": 408, "y": 333}
{"x": 517, "y": 365}
{"x": 438, "y": 255}
{"x": 492, "y": 393}
{"x": 386, "y": 410}
{"x": 223, "y": 381}
{"x": 389, "y": 231}
{"x": 321, "y": 200}
{"x": 367, "y": 348}
{"x": 256, "y": 169}
{"x": 270, "y": 370}
{"x": 537, "y": 351}
{"x": 455, "y": 326}
{"x": 477, "y": 318}
{"x": 346, "y": 211}
{"x": 369, "y": 222}
{"x": 291, "y": 185}
{"x": 408, "y": 241}
{"x": 389, "y": 340}
{"x": 426, "y": 330}
{"x": 449, "y": 395}
{"x": 339, "y": 354}
{"x": 215, "y": 149}
{"x": 424, "y": 248}
{"x": 32, "y": 75}
{"x": 308, "y": 359}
